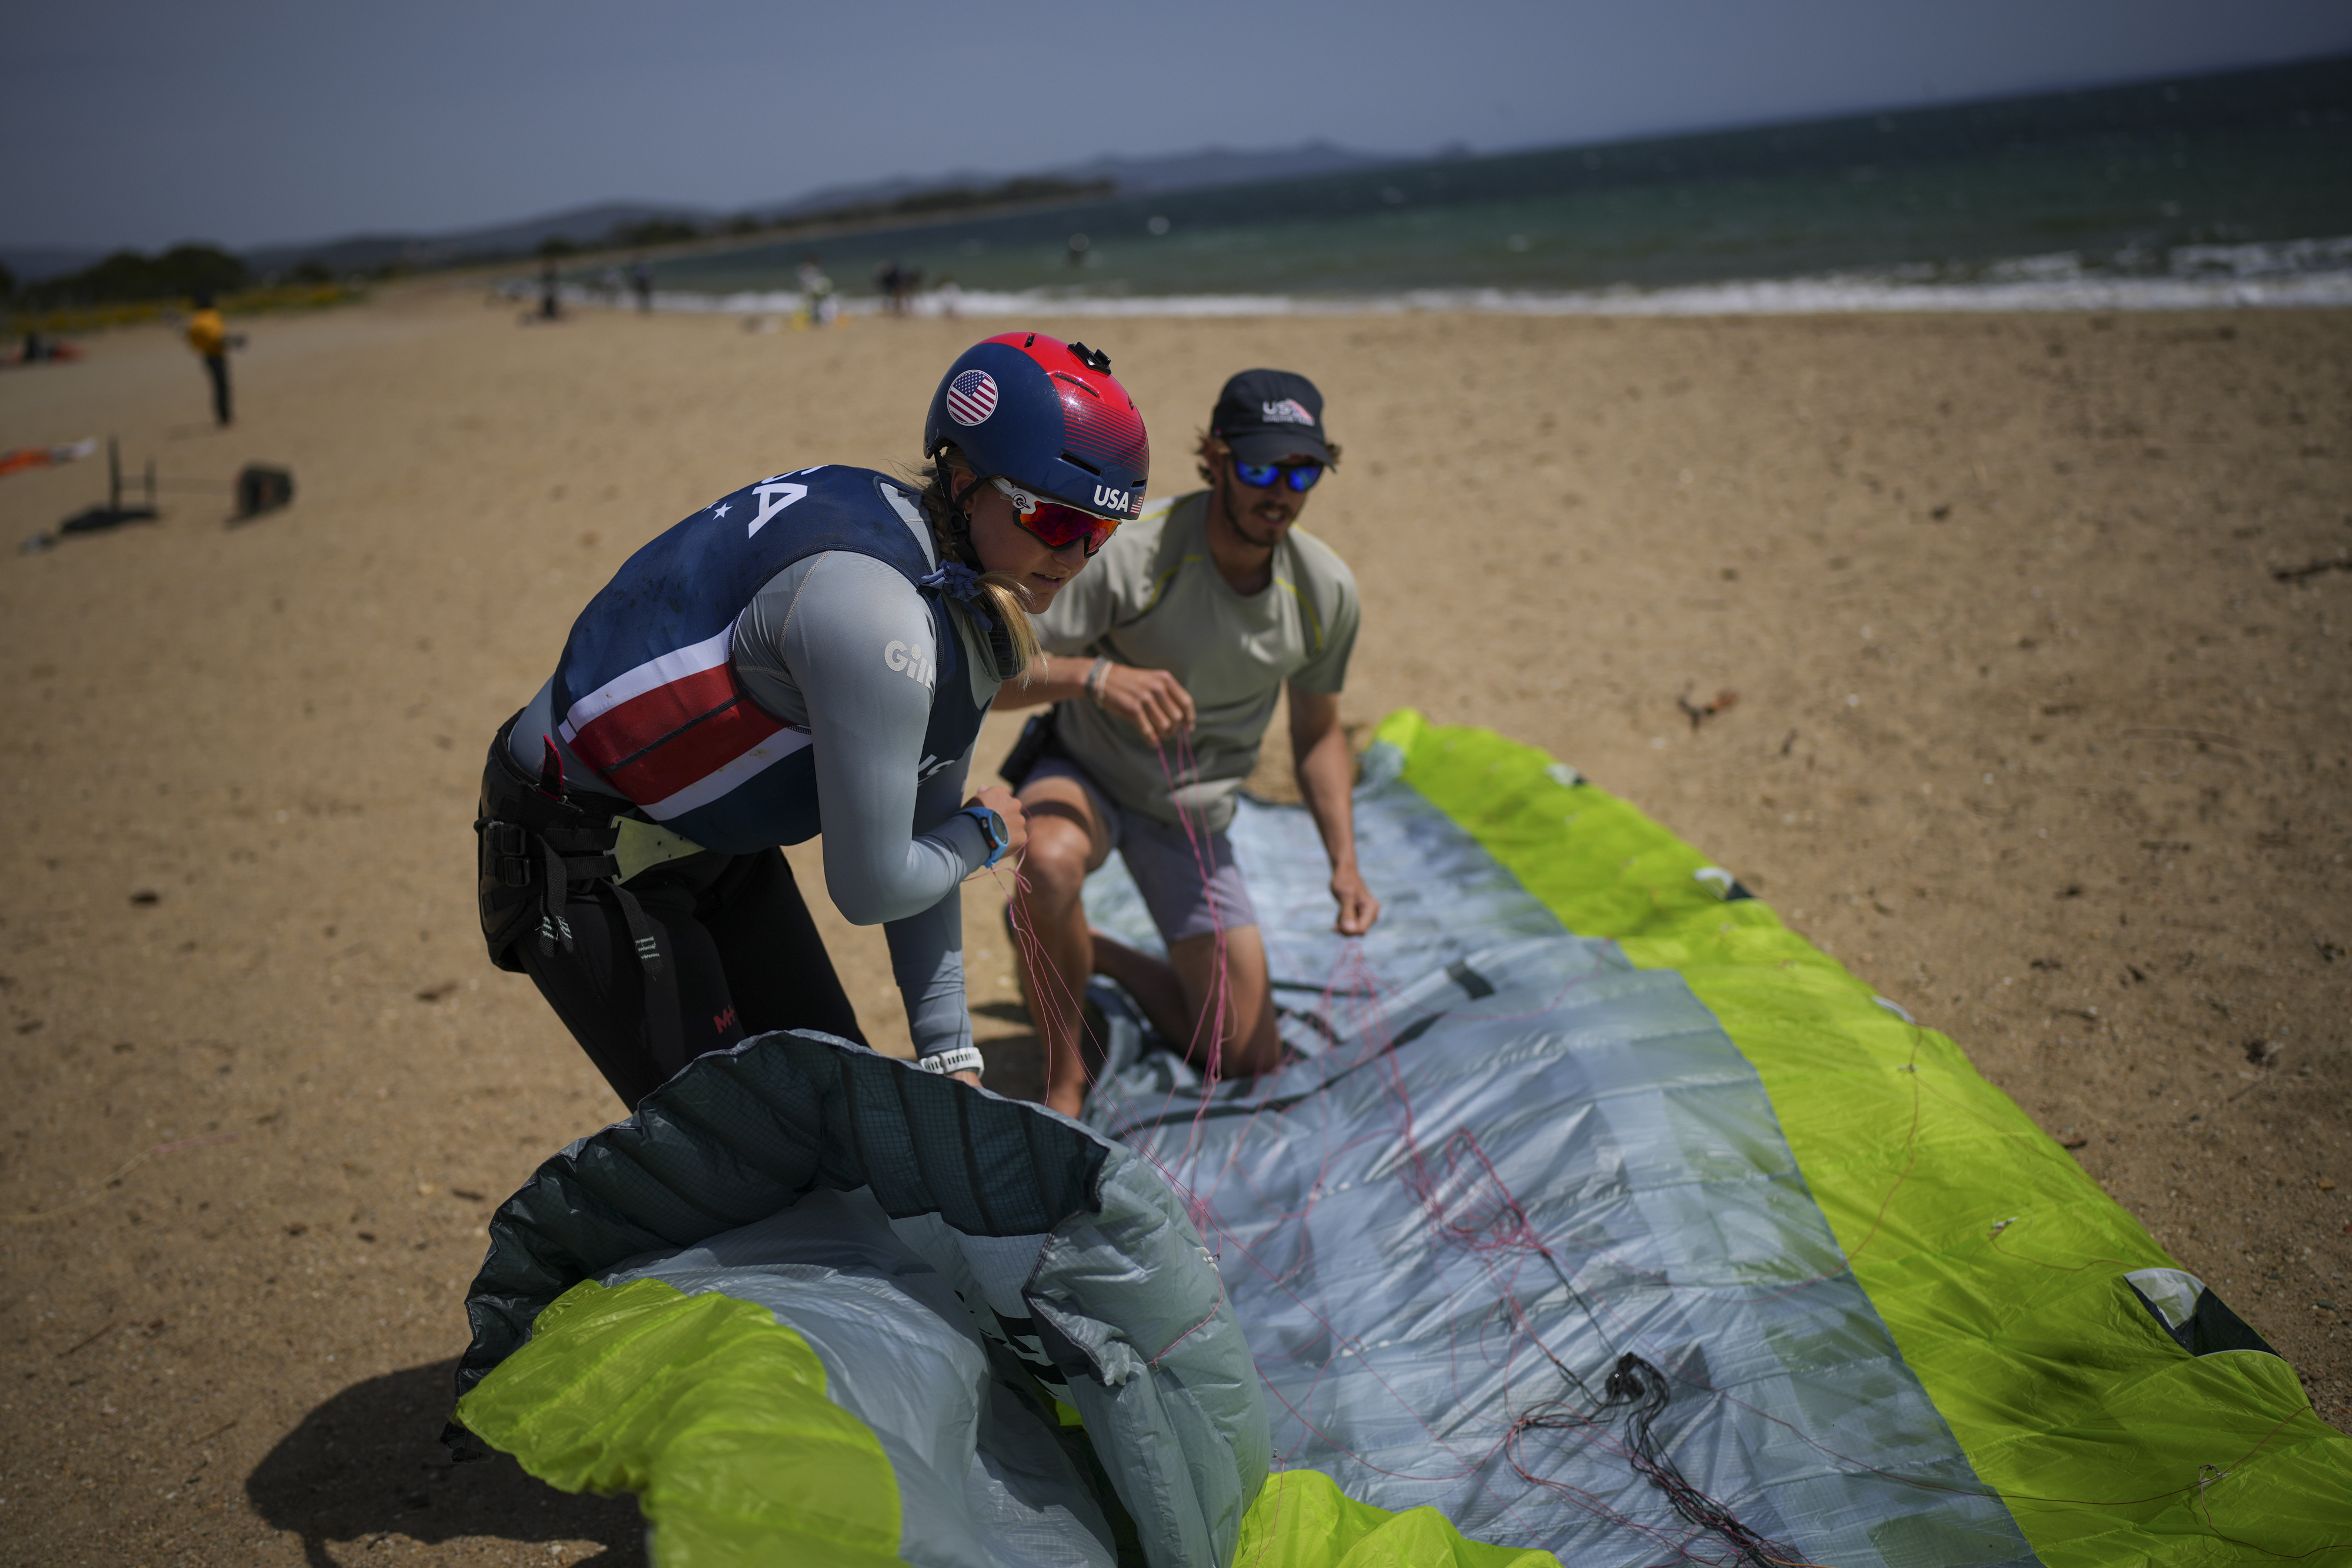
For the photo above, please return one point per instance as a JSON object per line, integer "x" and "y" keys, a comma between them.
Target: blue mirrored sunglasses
{"x": 1299, "y": 477}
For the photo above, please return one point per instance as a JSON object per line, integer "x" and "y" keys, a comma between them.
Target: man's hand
{"x": 1326, "y": 770}
{"x": 967, "y": 1076}
{"x": 1154, "y": 701}
{"x": 1358, "y": 907}
{"x": 1006, "y": 804}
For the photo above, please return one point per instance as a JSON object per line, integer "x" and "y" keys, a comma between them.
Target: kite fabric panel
{"x": 945, "y": 1267}
{"x": 2001, "y": 1270}
{"x": 1596, "y": 1219}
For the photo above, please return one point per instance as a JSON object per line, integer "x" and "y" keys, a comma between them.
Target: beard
{"x": 1244, "y": 521}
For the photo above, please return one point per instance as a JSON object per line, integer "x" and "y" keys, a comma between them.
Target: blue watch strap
{"x": 992, "y": 831}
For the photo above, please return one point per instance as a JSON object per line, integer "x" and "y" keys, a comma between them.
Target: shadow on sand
{"x": 369, "y": 1462}
{"x": 1016, "y": 1062}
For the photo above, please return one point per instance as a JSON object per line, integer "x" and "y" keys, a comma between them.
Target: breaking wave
{"x": 2298, "y": 274}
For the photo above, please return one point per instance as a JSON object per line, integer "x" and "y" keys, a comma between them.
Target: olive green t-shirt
{"x": 1153, "y": 598}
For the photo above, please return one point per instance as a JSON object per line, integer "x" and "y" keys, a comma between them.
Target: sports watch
{"x": 992, "y": 829}
{"x": 959, "y": 1059}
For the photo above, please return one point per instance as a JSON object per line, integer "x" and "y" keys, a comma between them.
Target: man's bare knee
{"x": 1055, "y": 863}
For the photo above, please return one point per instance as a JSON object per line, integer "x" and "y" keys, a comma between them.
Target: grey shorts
{"x": 1186, "y": 899}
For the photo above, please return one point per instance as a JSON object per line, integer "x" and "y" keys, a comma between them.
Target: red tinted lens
{"x": 1058, "y": 526}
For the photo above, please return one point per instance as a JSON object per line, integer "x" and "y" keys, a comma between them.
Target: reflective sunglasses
{"x": 1299, "y": 477}
{"x": 1053, "y": 524}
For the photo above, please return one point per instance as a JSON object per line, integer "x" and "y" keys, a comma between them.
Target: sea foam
{"x": 2288, "y": 273}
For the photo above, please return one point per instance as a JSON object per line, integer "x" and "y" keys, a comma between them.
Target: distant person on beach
{"x": 1164, "y": 663}
{"x": 641, "y": 279}
{"x": 208, "y": 336}
{"x": 896, "y": 283}
{"x": 550, "y": 291}
{"x": 817, "y": 306}
{"x": 811, "y": 655}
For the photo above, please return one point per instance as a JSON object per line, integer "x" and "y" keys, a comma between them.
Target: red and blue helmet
{"x": 1047, "y": 416}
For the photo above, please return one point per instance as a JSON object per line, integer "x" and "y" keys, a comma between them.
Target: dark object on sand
{"x": 261, "y": 488}
{"x": 1699, "y": 712}
{"x": 37, "y": 350}
{"x": 110, "y": 514}
{"x": 2312, "y": 569}
{"x": 114, "y": 513}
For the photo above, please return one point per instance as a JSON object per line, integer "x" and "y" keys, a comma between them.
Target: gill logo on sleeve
{"x": 900, "y": 656}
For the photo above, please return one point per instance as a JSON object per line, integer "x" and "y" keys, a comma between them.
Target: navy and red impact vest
{"x": 645, "y": 691}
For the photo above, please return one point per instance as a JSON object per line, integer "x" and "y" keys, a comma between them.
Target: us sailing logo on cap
{"x": 1286, "y": 412}
{"x": 971, "y": 397}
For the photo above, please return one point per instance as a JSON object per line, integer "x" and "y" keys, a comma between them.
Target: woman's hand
{"x": 1154, "y": 701}
{"x": 998, "y": 799}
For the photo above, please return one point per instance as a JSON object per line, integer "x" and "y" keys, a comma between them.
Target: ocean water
{"x": 2233, "y": 189}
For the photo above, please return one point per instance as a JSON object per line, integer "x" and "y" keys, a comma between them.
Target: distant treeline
{"x": 127, "y": 275}
{"x": 129, "y": 278}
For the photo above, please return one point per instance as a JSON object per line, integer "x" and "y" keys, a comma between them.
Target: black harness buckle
{"x": 509, "y": 851}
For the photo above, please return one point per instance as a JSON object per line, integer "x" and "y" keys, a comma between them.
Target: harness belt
{"x": 536, "y": 838}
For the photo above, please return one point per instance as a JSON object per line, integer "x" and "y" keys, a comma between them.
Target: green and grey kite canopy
{"x": 1598, "y": 1216}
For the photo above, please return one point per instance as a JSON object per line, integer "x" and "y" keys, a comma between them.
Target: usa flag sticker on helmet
{"x": 971, "y": 397}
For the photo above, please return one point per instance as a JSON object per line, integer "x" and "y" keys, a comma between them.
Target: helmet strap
{"x": 959, "y": 521}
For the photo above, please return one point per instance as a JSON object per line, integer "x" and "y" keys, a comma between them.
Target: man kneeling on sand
{"x": 1166, "y": 657}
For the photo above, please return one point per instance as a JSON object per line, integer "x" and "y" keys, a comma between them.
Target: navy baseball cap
{"x": 1270, "y": 416}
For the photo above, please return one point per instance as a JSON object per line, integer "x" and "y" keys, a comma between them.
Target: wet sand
{"x": 2031, "y": 733}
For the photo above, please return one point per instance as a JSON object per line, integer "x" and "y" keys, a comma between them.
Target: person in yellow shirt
{"x": 208, "y": 336}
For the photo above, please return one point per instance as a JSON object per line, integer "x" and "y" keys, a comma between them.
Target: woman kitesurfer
{"x": 811, "y": 655}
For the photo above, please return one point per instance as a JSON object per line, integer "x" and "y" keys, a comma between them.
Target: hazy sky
{"x": 142, "y": 121}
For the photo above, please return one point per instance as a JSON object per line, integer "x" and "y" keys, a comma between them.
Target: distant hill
{"x": 593, "y": 224}
{"x": 1133, "y": 176}
{"x": 1213, "y": 166}
{"x": 363, "y": 253}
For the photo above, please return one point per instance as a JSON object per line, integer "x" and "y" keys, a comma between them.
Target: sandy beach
{"x": 2041, "y": 729}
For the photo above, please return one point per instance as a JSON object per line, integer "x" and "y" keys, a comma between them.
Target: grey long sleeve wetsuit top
{"x": 841, "y": 644}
